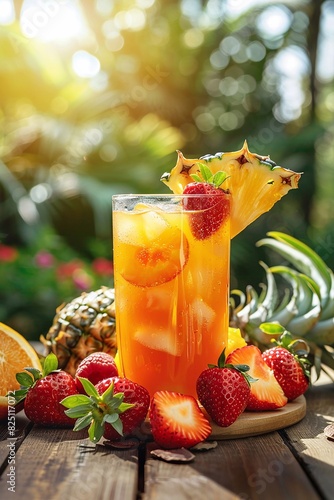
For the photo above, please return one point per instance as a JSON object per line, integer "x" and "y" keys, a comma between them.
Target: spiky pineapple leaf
{"x": 303, "y": 258}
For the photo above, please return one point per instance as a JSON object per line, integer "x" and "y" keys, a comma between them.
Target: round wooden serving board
{"x": 256, "y": 423}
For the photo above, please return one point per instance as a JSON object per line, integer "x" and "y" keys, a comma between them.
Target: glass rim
{"x": 166, "y": 195}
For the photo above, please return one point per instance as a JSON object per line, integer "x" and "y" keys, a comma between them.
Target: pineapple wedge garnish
{"x": 255, "y": 182}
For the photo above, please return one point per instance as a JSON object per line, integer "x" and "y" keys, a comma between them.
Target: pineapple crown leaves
{"x": 243, "y": 369}
{"x": 299, "y": 348}
{"x": 94, "y": 410}
{"x": 28, "y": 378}
{"x": 206, "y": 175}
{"x": 307, "y": 306}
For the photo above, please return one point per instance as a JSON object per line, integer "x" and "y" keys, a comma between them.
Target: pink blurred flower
{"x": 67, "y": 269}
{"x": 82, "y": 280}
{"x": 44, "y": 259}
{"x": 7, "y": 253}
{"x": 103, "y": 266}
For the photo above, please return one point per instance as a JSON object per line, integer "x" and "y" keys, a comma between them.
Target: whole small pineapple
{"x": 82, "y": 326}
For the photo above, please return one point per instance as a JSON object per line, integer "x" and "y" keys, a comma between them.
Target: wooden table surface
{"x": 295, "y": 463}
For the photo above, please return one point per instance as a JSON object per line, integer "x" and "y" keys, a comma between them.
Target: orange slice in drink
{"x": 150, "y": 250}
{"x": 15, "y": 354}
{"x": 159, "y": 260}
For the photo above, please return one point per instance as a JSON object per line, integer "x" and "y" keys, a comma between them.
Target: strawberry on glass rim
{"x": 209, "y": 202}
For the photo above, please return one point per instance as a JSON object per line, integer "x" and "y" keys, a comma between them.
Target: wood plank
{"x": 182, "y": 482}
{"x": 250, "y": 468}
{"x": 316, "y": 452}
{"x": 22, "y": 427}
{"x": 60, "y": 463}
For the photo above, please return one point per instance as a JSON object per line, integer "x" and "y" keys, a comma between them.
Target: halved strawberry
{"x": 210, "y": 203}
{"x": 177, "y": 421}
{"x": 266, "y": 393}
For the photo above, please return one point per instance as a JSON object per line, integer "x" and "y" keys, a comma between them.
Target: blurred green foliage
{"x": 97, "y": 96}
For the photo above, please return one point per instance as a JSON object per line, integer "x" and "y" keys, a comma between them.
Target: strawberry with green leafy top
{"x": 113, "y": 408}
{"x": 135, "y": 395}
{"x": 224, "y": 391}
{"x": 289, "y": 363}
{"x": 210, "y": 210}
{"x": 177, "y": 421}
{"x": 43, "y": 391}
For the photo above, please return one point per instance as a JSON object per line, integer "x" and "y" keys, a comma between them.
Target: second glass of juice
{"x": 171, "y": 289}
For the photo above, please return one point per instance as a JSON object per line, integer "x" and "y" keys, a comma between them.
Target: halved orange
{"x": 15, "y": 354}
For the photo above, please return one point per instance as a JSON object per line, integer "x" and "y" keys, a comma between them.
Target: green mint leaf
{"x": 89, "y": 387}
{"x": 219, "y": 178}
{"x": 75, "y": 400}
{"x": 196, "y": 178}
{"x": 79, "y": 411}
{"x": 205, "y": 172}
{"x": 83, "y": 422}
{"x": 95, "y": 431}
{"x": 24, "y": 379}
{"x": 50, "y": 364}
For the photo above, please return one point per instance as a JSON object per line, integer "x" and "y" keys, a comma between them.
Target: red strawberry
{"x": 43, "y": 393}
{"x": 290, "y": 369}
{"x": 224, "y": 391}
{"x": 97, "y": 366}
{"x": 113, "y": 408}
{"x": 266, "y": 393}
{"x": 134, "y": 394}
{"x": 177, "y": 421}
{"x": 212, "y": 209}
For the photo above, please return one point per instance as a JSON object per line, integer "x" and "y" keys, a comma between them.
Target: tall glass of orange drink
{"x": 171, "y": 289}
